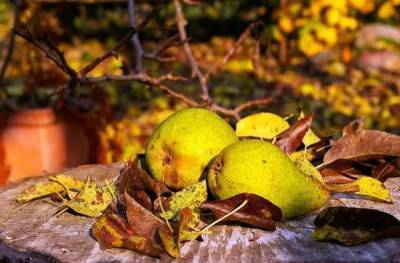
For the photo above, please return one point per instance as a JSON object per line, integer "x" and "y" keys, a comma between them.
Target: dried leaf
{"x": 135, "y": 181}
{"x": 385, "y": 170}
{"x": 188, "y": 222}
{"x": 261, "y": 125}
{"x": 291, "y": 138}
{"x": 310, "y": 137}
{"x": 372, "y": 188}
{"x": 169, "y": 241}
{"x": 136, "y": 232}
{"x": 55, "y": 184}
{"x": 364, "y": 186}
{"x": 353, "y": 226}
{"x": 359, "y": 144}
{"x": 191, "y": 196}
{"x": 92, "y": 200}
{"x": 258, "y": 212}
{"x": 300, "y": 160}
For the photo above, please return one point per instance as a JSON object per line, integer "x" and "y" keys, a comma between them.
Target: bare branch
{"x": 135, "y": 38}
{"x": 112, "y": 52}
{"x": 11, "y": 43}
{"x": 156, "y": 7}
{"x": 181, "y": 22}
{"x": 252, "y": 103}
{"x": 231, "y": 51}
{"x": 49, "y": 49}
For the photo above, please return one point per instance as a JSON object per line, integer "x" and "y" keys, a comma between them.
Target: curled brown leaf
{"x": 258, "y": 211}
{"x": 292, "y": 137}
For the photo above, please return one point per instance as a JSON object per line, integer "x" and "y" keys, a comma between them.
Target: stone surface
{"x": 29, "y": 233}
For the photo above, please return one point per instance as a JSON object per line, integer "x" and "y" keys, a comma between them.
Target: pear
{"x": 259, "y": 167}
{"x": 183, "y": 145}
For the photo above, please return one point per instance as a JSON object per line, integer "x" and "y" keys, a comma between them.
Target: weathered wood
{"x": 30, "y": 233}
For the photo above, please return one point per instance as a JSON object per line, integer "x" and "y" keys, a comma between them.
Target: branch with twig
{"x": 81, "y": 77}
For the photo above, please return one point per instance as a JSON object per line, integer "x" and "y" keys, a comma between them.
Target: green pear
{"x": 259, "y": 167}
{"x": 183, "y": 145}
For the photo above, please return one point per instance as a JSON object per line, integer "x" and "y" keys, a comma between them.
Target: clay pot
{"x": 37, "y": 141}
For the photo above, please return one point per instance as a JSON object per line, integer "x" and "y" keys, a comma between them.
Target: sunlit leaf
{"x": 261, "y": 125}
{"x": 191, "y": 196}
{"x": 55, "y": 184}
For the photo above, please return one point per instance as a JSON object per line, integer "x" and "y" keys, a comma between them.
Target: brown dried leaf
{"x": 353, "y": 226}
{"x": 187, "y": 226}
{"x": 258, "y": 212}
{"x": 135, "y": 181}
{"x": 385, "y": 170}
{"x": 291, "y": 138}
{"x": 127, "y": 224}
{"x": 359, "y": 144}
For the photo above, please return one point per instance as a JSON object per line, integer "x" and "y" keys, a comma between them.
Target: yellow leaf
{"x": 262, "y": 125}
{"x": 300, "y": 160}
{"x": 92, "y": 200}
{"x": 373, "y": 188}
{"x": 56, "y": 183}
{"x": 191, "y": 197}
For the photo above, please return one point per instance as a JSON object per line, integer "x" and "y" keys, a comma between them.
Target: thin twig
{"x": 181, "y": 23}
{"x": 49, "y": 49}
{"x": 135, "y": 37}
{"x": 231, "y": 51}
{"x": 11, "y": 43}
{"x": 156, "y": 7}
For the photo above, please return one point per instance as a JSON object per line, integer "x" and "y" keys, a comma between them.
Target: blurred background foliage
{"x": 339, "y": 59}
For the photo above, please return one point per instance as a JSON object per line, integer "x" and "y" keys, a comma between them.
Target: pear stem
{"x": 224, "y": 217}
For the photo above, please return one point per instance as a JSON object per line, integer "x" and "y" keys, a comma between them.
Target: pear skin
{"x": 183, "y": 145}
{"x": 259, "y": 167}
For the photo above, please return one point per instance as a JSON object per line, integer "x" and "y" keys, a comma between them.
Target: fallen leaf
{"x": 292, "y": 137}
{"x": 135, "y": 181}
{"x": 386, "y": 170}
{"x": 261, "y": 125}
{"x": 126, "y": 224}
{"x": 372, "y": 188}
{"x": 364, "y": 186}
{"x": 169, "y": 241}
{"x": 258, "y": 212}
{"x": 310, "y": 137}
{"x": 353, "y": 226}
{"x": 55, "y": 184}
{"x": 360, "y": 144}
{"x": 191, "y": 196}
{"x": 300, "y": 160}
{"x": 187, "y": 225}
{"x": 92, "y": 200}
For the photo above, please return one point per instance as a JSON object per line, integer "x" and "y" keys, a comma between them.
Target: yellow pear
{"x": 183, "y": 145}
{"x": 259, "y": 167}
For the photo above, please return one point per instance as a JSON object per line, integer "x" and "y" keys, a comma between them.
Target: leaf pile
{"x": 360, "y": 153}
{"x": 149, "y": 218}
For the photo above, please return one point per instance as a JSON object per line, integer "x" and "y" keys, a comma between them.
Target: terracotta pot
{"x": 35, "y": 141}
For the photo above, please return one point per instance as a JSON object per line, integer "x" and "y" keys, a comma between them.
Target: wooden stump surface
{"x": 29, "y": 233}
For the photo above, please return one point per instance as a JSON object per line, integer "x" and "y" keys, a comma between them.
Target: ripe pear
{"x": 183, "y": 145}
{"x": 259, "y": 167}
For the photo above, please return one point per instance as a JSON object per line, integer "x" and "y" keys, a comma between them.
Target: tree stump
{"x": 30, "y": 233}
